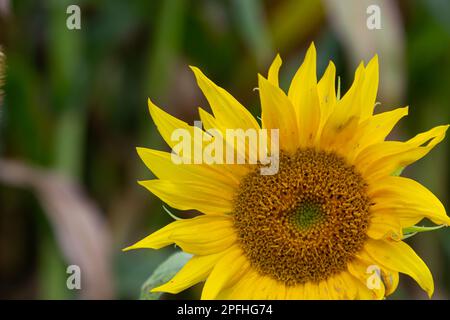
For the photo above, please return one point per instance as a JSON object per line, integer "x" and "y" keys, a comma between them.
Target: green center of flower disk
{"x": 307, "y": 215}
{"x": 306, "y": 222}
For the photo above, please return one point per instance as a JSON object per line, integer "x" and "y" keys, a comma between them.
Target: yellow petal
{"x": 209, "y": 122}
{"x": 167, "y": 124}
{"x": 305, "y": 98}
{"x": 385, "y": 225}
{"x": 201, "y": 235}
{"x": 364, "y": 293}
{"x": 191, "y": 195}
{"x": 325, "y": 291}
{"x": 264, "y": 287}
{"x": 311, "y": 291}
{"x": 225, "y": 270}
{"x": 156, "y": 240}
{"x": 243, "y": 289}
{"x": 390, "y": 278}
{"x": 226, "y": 109}
{"x": 267, "y": 288}
{"x": 296, "y": 292}
{"x": 400, "y": 257}
{"x": 382, "y": 159}
{"x": 350, "y": 104}
{"x": 194, "y": 271}
{"x": 369, "y": 88}
{"x": 331, "y": 288}
{"x": 374, "y": 130}
{"x": 228, "y": 112}
{"x": 316, "y": 291}
{"x": 278, "y": 113}
{"x": 273, "y": 71}
{"x": 162, "y": 166}
{"x": 327, "y": 94}
{"x": 407, "y": 200}
{"x": 341, "y": 124}
{"x": 342, "y": 286}
{"x": 360, "y": 269}
{"x": 337, "y": 138}
{"x": 278, "y": 292}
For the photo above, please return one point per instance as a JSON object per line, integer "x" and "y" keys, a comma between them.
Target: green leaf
{"x": 163, "y": 273}
{"x": 165, "y": 46}
{"x": 411, "y": 231}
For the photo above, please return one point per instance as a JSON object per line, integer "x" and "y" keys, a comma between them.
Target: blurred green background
{"x": 74, "y": 109}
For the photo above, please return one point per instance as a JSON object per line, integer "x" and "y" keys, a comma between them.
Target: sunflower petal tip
{"x": 141, "y": 152}
{"x": 152, "y": 107}
{"x": 141, "y": 182}
{"x": 158, "y": 289}
{"x": 311, "y": 52}
{"x": 197, "y": 72}
{"x": 444, "y": 128}
{"x": 132, "y": 247}
{"x": 274, "y": 70}
{"x": 150, "y": 102}
{"x": 201, "y": 111}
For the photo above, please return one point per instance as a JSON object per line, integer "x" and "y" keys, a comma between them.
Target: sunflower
{"x": 327, "y": 225}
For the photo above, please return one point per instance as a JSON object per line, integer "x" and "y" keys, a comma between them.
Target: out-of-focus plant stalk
{"x": 293, "y": 22}
{"x": 65, "y": 76}
{"x": 67, "y": 85}
{"x": 162, "y": 55}
{"x": 254, "y": 29}
{"x": 165, "y": 47}
{"x": 2, "y": 74}
{"x": 289, "y": 25}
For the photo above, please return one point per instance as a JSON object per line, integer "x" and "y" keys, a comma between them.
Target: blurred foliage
{"x": 75, "y": 105}
{"x": 162, "y": 274}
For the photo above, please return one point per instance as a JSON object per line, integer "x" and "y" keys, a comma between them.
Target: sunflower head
{"x": 315, "y": 206}
{"x": 327, "y": 225}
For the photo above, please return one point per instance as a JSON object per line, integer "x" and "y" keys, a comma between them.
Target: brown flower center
{"x": 306, "y": 222}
